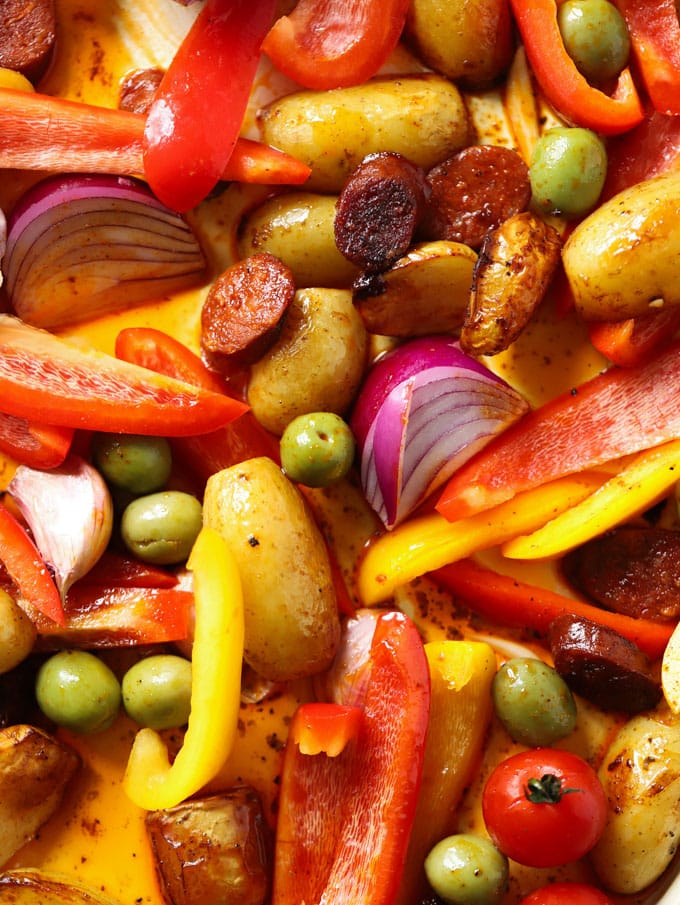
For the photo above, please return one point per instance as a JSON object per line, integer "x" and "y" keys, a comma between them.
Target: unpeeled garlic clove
{"x": 70, "y": 513}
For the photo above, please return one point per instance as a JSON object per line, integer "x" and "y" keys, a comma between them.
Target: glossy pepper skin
{"x": 561, "y": 82}
{"x": 150, "y": 780}
{"x": 655, "y": 39}
{"x": 344, "y": 821}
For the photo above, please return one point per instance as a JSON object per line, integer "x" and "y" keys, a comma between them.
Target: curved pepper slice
{"x": 198, "y": 109}
{"x": 655, "y": 38}
{"x": 636, "y": 488}
{"x": 344, "y": 821}
{"x": 46, "y": 379}
{"x": 27, "y": 569}
{"x": 33, "y": 444}
{"x": 563, "y": 85}
{"x": 333, "y": 45}
{"x": 150, "y": 781}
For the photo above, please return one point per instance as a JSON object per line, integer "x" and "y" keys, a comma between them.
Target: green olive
{"x": 132, "y": 462}
{"x": 157, "y": 691}
{"x": 17, "y": 633}
{"x": 595, "y": 36}
{"x": 533, "y": 702}
{"x": 161, "y": 528}
{"x": 317, "y": 449}
{"x": 567, "y": 171}
{"x": 77, "y": 690}
{"x": 467, "y": 870}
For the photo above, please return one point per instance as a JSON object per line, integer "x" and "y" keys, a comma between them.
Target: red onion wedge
{"x": 84, "y": 245}
{"x": 423, "y": 411}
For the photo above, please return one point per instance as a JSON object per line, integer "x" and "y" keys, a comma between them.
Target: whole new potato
{"x": 291, "y": 618}
{"x": 317, "y": 363}
{"x": 422, "y": 117}
{"x": 470, "y": 41}
{"x": 622, "y": 260}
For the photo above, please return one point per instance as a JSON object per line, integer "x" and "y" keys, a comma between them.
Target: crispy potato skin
{"x": 515, "y": 266}
{"x": 291, "y": 626}
{"x": 470, "y": 42}
{"x": 317, "y": 363}
{"x": 213, "y": 850}
{"x": 422, "y": 117}
{"x": 35, "y": 769}
{"x": 641, "y": 777}
{"x": 622, "y": 260}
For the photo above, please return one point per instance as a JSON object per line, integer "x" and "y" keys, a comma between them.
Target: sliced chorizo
{"x": 601, "y": 665}
{"x": 138, "y": 89}
{"x": 632, "y": 570}
{"x": 379, "y": 209}
{"x": 244, "y": 310}
{"x": 475, "y": 191}
{"x": 27, "y": 34}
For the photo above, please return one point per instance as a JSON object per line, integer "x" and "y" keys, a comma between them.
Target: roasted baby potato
{"x": 425, "y": 291}
{"x": 298, "y": 228}
{"x": 212, "y": 850}
{"x": 469, "y": 42}
{"x": 622, "y": 260}
{"x": 516, "y": 263}
{"x": 35, "y": 769}
{"x": 291, "y": 626}
{"x": 641, "y": 777}
{"x": 422, "y": 117}
{"x": 317, "y": 363}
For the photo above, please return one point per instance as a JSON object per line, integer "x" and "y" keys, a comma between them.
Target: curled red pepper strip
{"x": 563, "y": 85}
{"x": 655, "y": 37}
{"x": 344, "y": 821}
{"x": 197, "y": 112}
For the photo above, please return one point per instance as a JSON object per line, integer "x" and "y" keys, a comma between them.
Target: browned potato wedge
{"x": 34, "y": 771}
{"x": 515, "y": 266}
{"x": 32, "y": 887}
{"x": 213, "y": 850}
{"x": 470, "y": 42}
{"x": 425, "y": 291}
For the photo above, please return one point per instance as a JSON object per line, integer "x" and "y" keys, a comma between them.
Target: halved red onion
{"x": 84, "y": 245}
{"x": 423, "y": 411}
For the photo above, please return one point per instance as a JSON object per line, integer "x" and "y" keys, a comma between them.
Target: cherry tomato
{"x": 567, "y": 894}
{"x": 544, "y": 807}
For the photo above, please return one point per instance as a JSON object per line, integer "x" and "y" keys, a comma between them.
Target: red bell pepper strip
{"x": 344, "y": 822}
{"x": 44, "y": 378}
{"x": 507, "y": 601}
{"x": 655, "y": 40}
{"x": 39, "y": 132}
{"x": 241, "y": 439}
{"x": 563, "y": 85}
{"x": 636, "y": 340}
{"x": 320, "y": 728}
{"x": 197, "y": 111}
{"x": 114, "y": 570}
{"x": 36, "y": 445}
{"x": 331, "y": 45}
{"x": 620, "y": 411}
{"x": 120, "y": 617}
{"x": 27, "y": 569}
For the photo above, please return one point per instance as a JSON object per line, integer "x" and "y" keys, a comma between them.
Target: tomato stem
{"x": 546, "y": 790}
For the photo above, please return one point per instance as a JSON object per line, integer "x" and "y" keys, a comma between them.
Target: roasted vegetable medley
{"x": 339, "y": 452}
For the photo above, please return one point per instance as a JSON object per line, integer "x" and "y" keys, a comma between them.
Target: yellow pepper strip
{"x": 641, "y": 484}
{"x": 10, "y": 78}
{"x": 430, "y": 542}
{"x": 150, "y": 781}
{"x": 461, "y": 673}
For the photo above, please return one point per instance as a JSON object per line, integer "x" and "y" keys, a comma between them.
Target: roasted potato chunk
{"x": 212, "y": 850}
{"x": 34, "y": 771}
{"x": 515, "y": 266}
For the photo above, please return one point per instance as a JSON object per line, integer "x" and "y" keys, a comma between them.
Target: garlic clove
{"x": 70, "y": 514}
